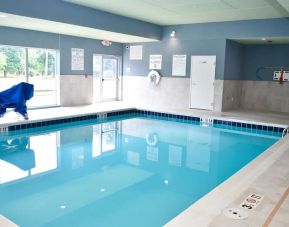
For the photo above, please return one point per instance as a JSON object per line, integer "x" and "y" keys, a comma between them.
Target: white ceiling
{"x": 10, "y": 20}
{"x": 171, "y": 12}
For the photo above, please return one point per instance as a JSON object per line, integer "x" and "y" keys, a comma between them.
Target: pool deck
{"x": 267, "y": 175}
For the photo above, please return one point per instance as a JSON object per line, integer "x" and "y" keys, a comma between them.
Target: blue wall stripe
{"x": 65, "y": 12}
{"x": 63, "y": 43}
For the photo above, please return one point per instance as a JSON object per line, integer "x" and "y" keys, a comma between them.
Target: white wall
{"x": 255, "y": 95}
{"x": 76, "y": 90}
{"x": 265, "y": 95}
{"x": 232, "y": 93}
{"x": 171, "y": 92}
{"x": 174, "y": 92}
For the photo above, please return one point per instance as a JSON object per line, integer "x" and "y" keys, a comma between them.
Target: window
{"x": 42, "y": 73}
{"x": 35, "y": 66}
{"x": 12, "y": 66}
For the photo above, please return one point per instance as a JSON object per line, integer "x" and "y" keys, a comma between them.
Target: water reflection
{"x": 25, "y": 156}
{"x": 143, "y": 165}
{"x": 18, "y": 153}
{"x": 70, "y": 148}
{"x": 169, "y": 144}
{"x": 155, "y": 146}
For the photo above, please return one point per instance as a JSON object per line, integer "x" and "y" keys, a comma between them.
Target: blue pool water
{"x": 130, "y": 171}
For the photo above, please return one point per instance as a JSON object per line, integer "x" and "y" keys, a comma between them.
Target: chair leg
{"x": 2, "y": 111}
{"x": 26, "y": 117}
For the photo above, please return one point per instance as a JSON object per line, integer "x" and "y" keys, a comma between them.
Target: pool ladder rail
{"x": 4, "y": 129}
{"x": 207, "y": 121}
{"x": 285, "y": 132}
{"x": 102, "y": 116}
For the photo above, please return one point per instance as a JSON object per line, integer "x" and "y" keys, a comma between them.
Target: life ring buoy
{"x": 152, "y": 139}
{"x": 154, "y": 77}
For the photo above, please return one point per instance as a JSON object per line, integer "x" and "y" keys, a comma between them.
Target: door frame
{"x": 190, "y": 100}
{"x": 118, "y": 80}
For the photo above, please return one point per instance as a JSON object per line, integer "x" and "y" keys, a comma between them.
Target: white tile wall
{"x": 265, "y": 95}
{"x": 255, "y": 95}
{"x": 232, "y": 90}
{"x": 175, "y": 93}
{"x": 76, "y": 90}
{"x": 218, "y": 96}
{"x": 171, "y": 92}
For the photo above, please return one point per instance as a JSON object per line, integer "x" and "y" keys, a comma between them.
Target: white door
{"x": 202, "y": 82}
{"x": 106, "y": 73}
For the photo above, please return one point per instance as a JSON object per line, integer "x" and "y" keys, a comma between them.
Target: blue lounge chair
{"x": 16, "y": 97}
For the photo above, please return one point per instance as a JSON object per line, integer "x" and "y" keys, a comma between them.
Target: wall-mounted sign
{"x": 135, "y": 52}
{"x": 155, "y": 61}
{"x": 179, "y": 65}
{"x": 77, "y": 59}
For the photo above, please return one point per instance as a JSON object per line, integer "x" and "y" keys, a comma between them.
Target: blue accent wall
{"x": 27, "y": 38}
{"x": 214, "y": 39}
{"x": 256, "y": 56}
{"x": 168, "y": 48}
{"x": 90, "y": 47}
{"x": 231, "y": 29}
{"x": 65, "y": 12}
{"x": 233, "y": 61}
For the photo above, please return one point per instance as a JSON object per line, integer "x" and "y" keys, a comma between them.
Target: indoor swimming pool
{"x": 130, "y": 170}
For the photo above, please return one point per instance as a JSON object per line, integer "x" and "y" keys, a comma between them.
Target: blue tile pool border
{"x": 146, "y": 113}
{"x": 232, "y": 124}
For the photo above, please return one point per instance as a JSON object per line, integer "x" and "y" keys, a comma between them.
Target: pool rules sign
{"x": 77, "y": 59}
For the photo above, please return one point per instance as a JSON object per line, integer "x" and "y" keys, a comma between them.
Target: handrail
{"x": 285, "y": 132}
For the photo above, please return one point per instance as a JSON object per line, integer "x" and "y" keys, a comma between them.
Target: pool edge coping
{"x": 36, "y": 123}
{"x": 204, "y": 211}
{"x": 270, "y": 150}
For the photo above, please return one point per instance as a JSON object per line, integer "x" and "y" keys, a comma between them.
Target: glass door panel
{"x": 105, "y": 71}
{"x": 42, "y": 74}
{"x": 97, "y": 75}
{"x": 109, "y": 78}
{"x": 108, "y": 136}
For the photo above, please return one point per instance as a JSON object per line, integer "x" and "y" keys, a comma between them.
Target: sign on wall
{"x": 135, "y": 52}
{"x": 77, "y": 59}
{"x": 155, "y": 61}
{"x": 179, "y": 65}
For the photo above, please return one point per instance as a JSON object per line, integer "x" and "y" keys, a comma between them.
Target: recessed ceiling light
{"x": 3, "y": 16}
{"x": 173, "y": 33}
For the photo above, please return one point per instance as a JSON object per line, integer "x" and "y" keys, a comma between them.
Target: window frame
{"x": 26, "y": 70}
